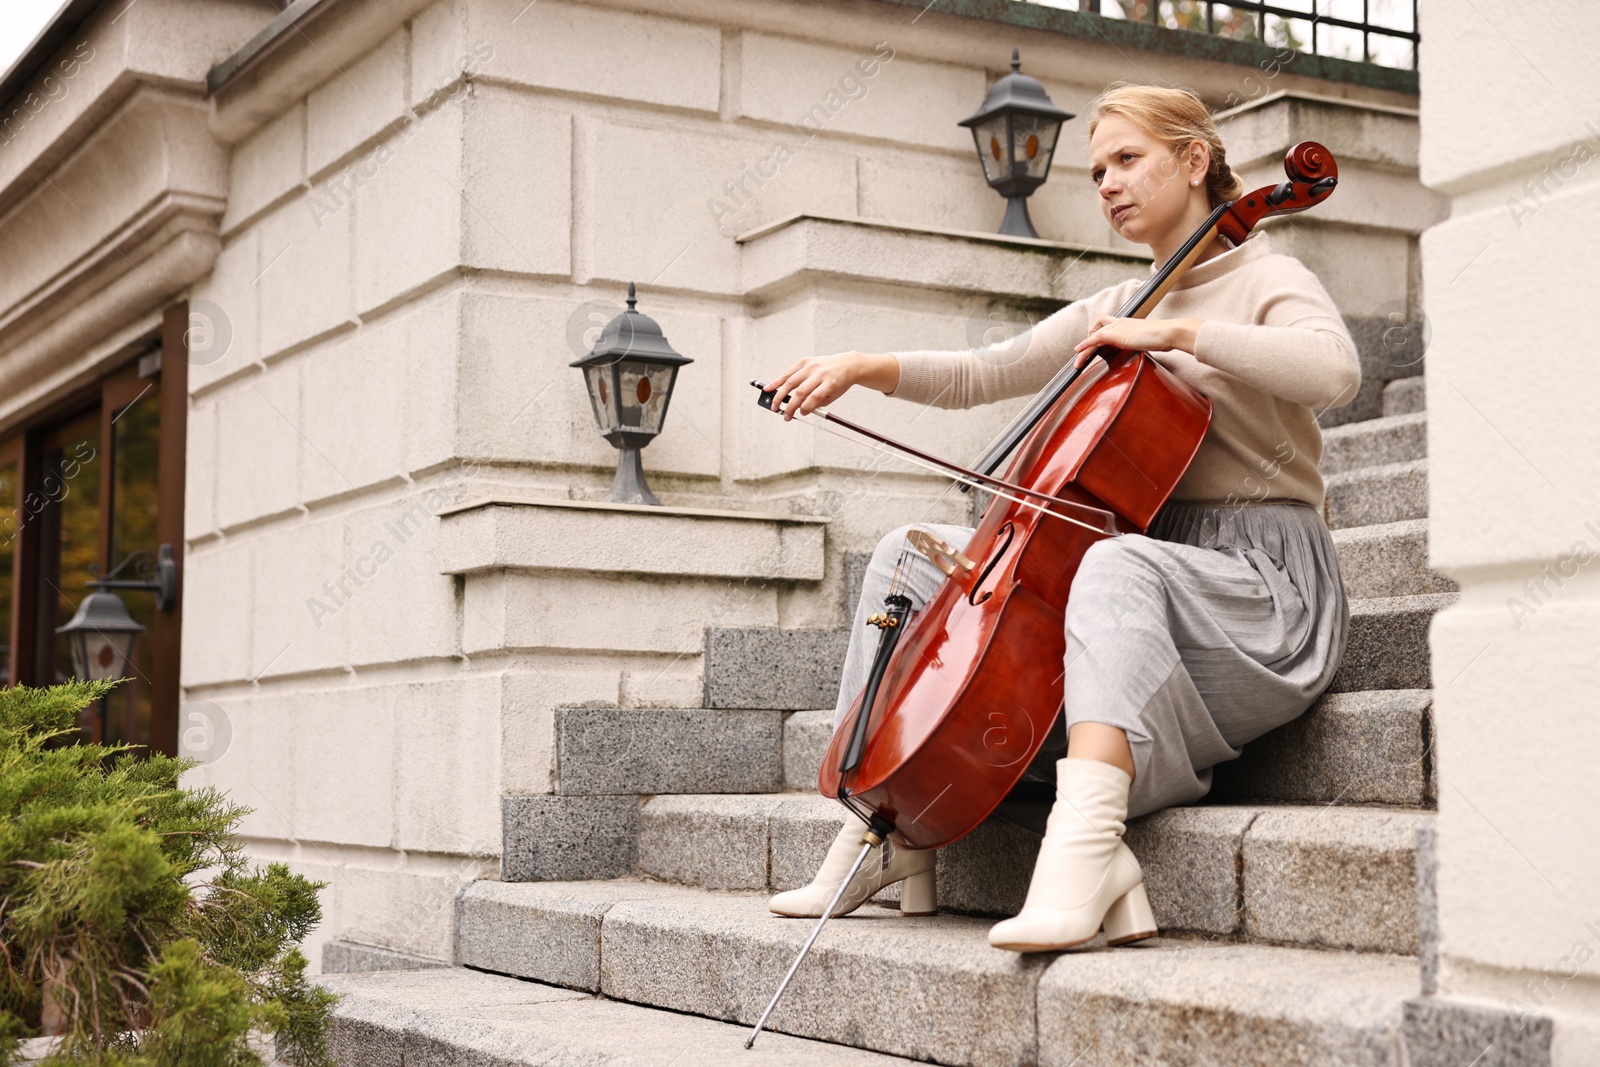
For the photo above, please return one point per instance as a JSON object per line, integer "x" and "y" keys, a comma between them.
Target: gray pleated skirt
{"x": 1224, "y": 623}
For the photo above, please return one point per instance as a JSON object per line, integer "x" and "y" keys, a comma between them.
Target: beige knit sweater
{"x": 1272, "y": 354}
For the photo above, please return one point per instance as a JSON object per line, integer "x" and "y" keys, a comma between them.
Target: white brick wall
{"x": 869, "y": 90}
{"x": 234, "y": 289}
{"x": 356, "y": 106}
{"x": 653, "y": 209}
{"x": 575, "y": 48}
{"x": 293, "y": 561}
{"x": 304, "y": 274}
{"x": 1514, "y": 505}
{"x": 267, "y": 165}
{"x": 258, "y": 445}
{"x": 447, "y": 749}
{"x": 518, "y": 220}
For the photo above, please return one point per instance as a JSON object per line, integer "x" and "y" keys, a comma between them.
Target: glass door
{"x": 92, "y": 488}
{"x": 62, "y": 512}
{"x": 133, "y": 407}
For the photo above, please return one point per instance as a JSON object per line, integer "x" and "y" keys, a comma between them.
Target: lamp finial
{"x": 1016, "y": 60}
{"x": 631, "y": 297}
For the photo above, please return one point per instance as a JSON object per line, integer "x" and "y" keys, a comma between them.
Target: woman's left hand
{"x": 1138, "y": 335}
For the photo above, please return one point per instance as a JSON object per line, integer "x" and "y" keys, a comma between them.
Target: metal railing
{"x": 1381, "y": 32}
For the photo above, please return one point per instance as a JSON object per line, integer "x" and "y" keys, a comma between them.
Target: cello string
{"x": 993, "y": 490}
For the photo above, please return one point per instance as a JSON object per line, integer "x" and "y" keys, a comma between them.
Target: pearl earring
{"x": 1195, "y": 182}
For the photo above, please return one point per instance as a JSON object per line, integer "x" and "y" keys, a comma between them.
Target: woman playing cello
{"x": 1228, "y": 618}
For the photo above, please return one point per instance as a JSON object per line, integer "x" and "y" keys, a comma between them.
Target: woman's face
{"x": 1144, "y": 187}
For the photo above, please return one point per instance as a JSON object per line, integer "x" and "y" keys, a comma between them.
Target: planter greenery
{"x": 131, "y": 923}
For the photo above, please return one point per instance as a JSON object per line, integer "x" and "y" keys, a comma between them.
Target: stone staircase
{"x": 1288, "y": 898}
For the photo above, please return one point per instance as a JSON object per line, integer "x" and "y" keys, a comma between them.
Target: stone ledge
{"x": 786, "y": 253}
{"x": 604, "y": 538}
{"x": 91, "y": 257}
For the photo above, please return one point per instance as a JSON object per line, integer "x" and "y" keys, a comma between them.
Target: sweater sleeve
{"x": 1299, "y": 348}
{"x": 967, "y": 377}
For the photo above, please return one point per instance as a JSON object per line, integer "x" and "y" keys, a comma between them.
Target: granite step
{"x": 608, "y": 750}
{"x": 933, "y": 989}
{"x": 805, "y": 741}
{"x": 1387, "y": 560}
{"x": 1405, "y": 396}
{"x": 1388, "y": 643}
{"x": 1372, "y": 747}
{"x": 1333, "y": 876}
{"x": 767, "y": 667}
{"x": 466, "y": 1018}
{"x": 1353, "y": 748}
{"x": 1373, "y": 442}
{"x": 1370, "y": 496}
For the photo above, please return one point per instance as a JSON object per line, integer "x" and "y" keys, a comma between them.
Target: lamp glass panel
{"x": 102, "y": 655}
{"x": 642, "y": 389}
{"x": 1035, "y": 141}
{"x": 990, "y": 138}
{"x": 602, "y": 395}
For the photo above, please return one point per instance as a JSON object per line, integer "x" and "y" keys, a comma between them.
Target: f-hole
{"x": 994, "y": 561}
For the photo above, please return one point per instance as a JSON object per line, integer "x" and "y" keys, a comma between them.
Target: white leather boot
{"x": 884, "y": 866}
{"x": 1085, "y": 874}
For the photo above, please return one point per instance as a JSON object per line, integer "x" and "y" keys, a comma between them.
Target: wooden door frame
{"x": 166, "y": 665}
{"x": 14, "y": 449}
{"x": 25, "y": 444}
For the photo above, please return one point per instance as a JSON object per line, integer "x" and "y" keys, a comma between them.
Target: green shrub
{"x": 131, "y": 923}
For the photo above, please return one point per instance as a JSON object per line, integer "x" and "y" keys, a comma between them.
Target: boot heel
{"x": 1130, "y": 918}
{"x": 917, "y": 894}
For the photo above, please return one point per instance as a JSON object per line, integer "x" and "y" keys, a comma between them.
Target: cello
{"x": 962, "y": 694}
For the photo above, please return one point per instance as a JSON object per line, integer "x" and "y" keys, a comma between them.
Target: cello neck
{"x": 1150, "y": 293}
{"x": 1138, "y": 306}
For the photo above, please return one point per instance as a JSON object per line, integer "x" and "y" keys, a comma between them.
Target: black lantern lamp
{"x": 102, "y": 632}
{"x": 1015, "y": 132}
{"x": 630, "y": 375}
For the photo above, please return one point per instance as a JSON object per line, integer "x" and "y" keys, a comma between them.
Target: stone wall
{"x": 1515, "y": 511}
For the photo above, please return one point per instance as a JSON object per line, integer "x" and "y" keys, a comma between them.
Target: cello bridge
{"x": 947, "y": 558}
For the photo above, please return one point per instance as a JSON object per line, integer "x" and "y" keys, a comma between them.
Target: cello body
{"x": 988, "y": 647}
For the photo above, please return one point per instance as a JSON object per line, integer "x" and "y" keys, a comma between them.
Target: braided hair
{"x": 1177, "y": 118}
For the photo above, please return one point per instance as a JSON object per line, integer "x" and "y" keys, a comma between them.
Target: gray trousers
{"x": 1224, "y": 623}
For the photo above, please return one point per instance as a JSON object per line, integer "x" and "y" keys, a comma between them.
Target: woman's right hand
{"x": 818, "y": 381}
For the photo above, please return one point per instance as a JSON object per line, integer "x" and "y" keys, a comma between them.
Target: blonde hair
{"x": 1177, "y": 118}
